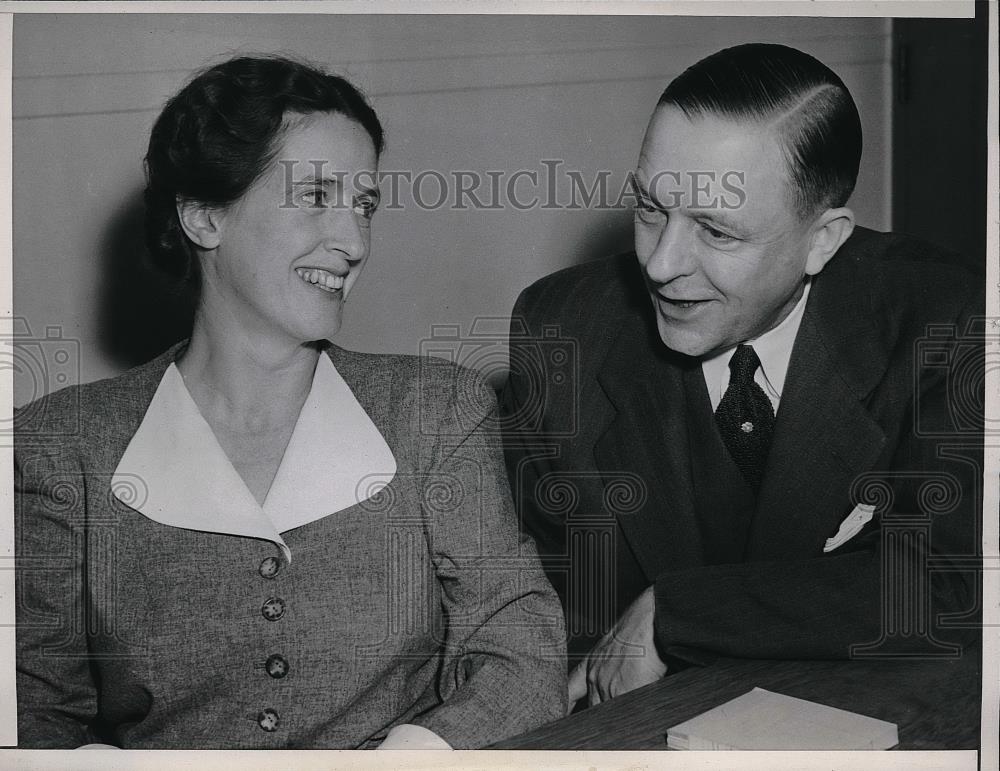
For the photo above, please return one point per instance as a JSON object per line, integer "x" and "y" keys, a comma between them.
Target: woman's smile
{"x": 321, "y": 279}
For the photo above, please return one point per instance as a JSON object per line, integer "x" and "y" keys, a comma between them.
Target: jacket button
{"x": 273, "y": 608}
{"x": 269, "y": 567}
{"x": 268, "y": 720}
{"x": 276, "y": 666}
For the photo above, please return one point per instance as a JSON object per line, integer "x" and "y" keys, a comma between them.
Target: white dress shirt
{"x": 773, "y": 348}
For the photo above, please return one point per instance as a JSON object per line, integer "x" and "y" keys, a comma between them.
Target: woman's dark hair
{"x": 219, "y": 135}
{"x": 803, "y": 98}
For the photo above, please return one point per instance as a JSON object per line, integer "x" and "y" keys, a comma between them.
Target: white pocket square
{"x": 851, "y": 526}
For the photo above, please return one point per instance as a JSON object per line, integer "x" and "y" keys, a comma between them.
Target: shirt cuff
{"x": 413, "y": 737}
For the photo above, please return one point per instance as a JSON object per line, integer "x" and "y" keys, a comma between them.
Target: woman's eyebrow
{"x": 309, "y": 179}
{"x": 373, "y": 192}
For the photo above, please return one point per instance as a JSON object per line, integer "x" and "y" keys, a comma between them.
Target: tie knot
{"x": 743, "y": 364}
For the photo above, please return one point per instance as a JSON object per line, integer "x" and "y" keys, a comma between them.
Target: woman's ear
{"x": 832, "y": 228}
{"x": 201, "y": 223}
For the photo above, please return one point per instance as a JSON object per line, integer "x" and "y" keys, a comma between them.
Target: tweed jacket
{"x": 421, "y": 604}
{"x": 619, "y": 471}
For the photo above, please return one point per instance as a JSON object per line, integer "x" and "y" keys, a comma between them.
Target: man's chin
{"x": 683, "y": 341}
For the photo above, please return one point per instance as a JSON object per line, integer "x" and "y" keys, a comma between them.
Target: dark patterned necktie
{"x": 745, "y": 416}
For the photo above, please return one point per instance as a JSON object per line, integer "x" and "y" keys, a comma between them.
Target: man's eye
{"x": 717, "y": 235}
{"x": 649, "y": 213}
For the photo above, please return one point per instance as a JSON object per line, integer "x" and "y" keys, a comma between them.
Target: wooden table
{"x": 935, "y": 703}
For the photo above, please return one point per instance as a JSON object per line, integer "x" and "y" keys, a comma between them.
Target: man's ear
{"x": 830, "y": 230}
{"x": 201, "y": 223}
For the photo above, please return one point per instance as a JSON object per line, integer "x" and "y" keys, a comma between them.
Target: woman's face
{"x": 292, "y": 247}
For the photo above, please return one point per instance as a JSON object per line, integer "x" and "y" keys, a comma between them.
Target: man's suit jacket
{"x": 420, "y": 605}
{"x": 614, "y": 460}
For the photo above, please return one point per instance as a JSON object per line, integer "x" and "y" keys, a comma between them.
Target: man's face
{"x": 722, "y": 249}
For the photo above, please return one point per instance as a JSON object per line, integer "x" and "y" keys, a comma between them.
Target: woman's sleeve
{"x": 505, "y": 646}
{"x": 56, "y": 694}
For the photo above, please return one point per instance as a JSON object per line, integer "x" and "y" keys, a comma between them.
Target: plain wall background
{"x": 454, "y": 92}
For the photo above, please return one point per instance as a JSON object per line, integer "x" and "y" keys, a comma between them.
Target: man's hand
{"x": 624, "y": 659}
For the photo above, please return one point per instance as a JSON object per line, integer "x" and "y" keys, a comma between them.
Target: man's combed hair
{"x": 219, "y": 135}
{"x": 798, "y": 96}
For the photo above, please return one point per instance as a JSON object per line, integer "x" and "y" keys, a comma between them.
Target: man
{"x": 736, "y": 450}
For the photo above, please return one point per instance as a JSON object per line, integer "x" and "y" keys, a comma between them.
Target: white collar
{"x": 773, "y": 348}
{"x": 174, "y": 471}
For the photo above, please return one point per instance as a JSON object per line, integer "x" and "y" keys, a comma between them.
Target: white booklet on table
{"x": 763, "y": 720}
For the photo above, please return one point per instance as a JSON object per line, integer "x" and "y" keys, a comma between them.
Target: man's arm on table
{"x": 822, "y": 606}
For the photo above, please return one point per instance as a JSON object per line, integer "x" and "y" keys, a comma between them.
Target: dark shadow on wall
{"x": 611, "y": 234}
{"x": 142, "y": 312}
{"x": 606, "y": 236}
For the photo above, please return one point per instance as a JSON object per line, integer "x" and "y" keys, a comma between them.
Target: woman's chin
{"x": 315, "y": 339}
{"x": 323, "y": 326}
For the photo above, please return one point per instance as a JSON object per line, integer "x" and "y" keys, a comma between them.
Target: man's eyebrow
{"x": 643, "y": 192}
{"x": 721, "y": 218}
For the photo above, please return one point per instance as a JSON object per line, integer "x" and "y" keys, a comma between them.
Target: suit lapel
{"x": 824, "y": 436}
{"x": 647, "y": 436}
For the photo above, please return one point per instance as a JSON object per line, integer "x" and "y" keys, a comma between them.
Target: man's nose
{"x": 673, "y": 255}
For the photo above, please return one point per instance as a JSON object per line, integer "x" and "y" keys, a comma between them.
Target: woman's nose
{"x": 345, "y": 233}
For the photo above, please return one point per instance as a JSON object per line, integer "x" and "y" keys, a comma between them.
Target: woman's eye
{"x": 315, "y": 198}
{"x": 365, "y": 206}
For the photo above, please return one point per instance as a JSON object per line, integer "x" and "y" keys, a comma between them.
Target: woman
{"x": 259, "y": 539}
